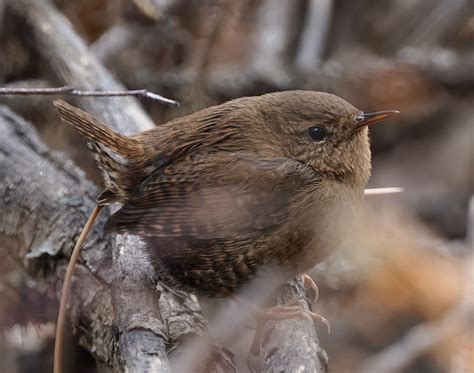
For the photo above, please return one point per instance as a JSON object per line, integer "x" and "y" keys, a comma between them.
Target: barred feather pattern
{"x": 112, "y": 151}
{"x": 111, "y": 166}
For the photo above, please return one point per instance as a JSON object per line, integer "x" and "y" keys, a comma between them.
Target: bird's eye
{"x": 317, "y": 133}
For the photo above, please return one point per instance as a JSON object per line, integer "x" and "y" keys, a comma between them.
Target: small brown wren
{"x": 267, "y": 181}
{"x": 256, "y": 181}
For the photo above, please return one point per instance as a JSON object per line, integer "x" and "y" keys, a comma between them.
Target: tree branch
{"x": 290, "y": 344}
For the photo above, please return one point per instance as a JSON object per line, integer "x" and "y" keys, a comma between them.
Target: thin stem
{"x": 66, "y": 290}
{"x": 66, "y": 90}
{"x": 379, "y": 191}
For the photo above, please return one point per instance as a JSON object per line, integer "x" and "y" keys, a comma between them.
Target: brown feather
{"x": 94, "y": 130}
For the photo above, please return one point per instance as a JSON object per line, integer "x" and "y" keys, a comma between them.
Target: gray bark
{"x": 290, "y": 345}
{"x": 45, "y": 201}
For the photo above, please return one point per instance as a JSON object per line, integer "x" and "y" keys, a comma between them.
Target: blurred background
{"x": 400, "y": 294}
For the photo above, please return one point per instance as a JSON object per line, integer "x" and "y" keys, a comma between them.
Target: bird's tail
{"x": 113, "y": 151}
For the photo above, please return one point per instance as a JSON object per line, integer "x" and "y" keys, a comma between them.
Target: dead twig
{"x": 66, "y": 90}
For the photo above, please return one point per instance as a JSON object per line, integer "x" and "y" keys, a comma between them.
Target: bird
{"x": 270, "y": 181}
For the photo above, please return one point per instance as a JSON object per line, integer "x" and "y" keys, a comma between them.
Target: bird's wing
{"x": 213, "y": 198}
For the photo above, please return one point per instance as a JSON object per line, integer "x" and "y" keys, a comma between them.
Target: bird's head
{"x": 319, "y": 129}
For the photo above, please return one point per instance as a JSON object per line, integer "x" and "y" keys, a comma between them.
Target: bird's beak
{"x": 367, "y": 119}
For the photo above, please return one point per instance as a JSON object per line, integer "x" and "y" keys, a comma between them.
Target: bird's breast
{"x": 327, "y": 219}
